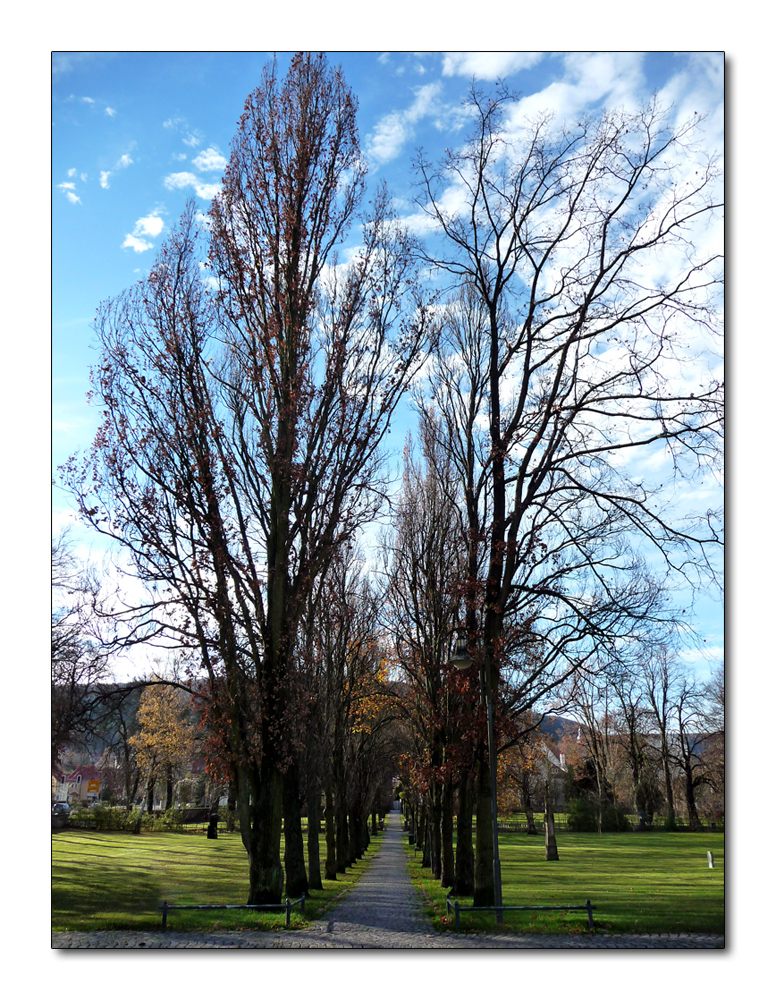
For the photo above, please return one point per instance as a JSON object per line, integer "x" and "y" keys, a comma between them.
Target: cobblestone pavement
{"x": 382, "y": 911}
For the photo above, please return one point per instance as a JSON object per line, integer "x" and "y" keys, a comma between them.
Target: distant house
{"x": 554, "y": 770}
{"x": 79, "y": 787}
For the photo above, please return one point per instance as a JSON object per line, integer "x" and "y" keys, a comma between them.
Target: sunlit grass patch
{"x": 649, "y": 883}
{"x": 107, "y": 881}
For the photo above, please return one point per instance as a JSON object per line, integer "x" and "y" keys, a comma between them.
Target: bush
{"x": 119, "y": 818}
{"x": 583, "y": 817}
{"x": 105, "y": 818}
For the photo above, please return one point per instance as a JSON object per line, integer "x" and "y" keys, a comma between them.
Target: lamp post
{"x": 462, "y": 661}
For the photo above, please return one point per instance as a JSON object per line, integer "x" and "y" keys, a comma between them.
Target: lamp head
{"x": 461, "y": 660}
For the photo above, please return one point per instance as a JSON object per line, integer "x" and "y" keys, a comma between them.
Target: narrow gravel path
{"x": 382, "y": 911}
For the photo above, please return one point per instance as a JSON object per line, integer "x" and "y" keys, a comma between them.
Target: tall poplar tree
{"x": 247, "y": 385}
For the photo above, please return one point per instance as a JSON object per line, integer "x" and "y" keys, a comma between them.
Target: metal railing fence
{"x": 288, "y": 905}
{"x": 458, "y": 910}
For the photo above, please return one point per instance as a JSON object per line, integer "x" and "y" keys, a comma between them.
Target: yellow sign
{"x": 93, "y": 786}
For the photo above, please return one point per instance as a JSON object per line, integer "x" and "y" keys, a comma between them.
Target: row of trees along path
{"x": 382, "y": 911}
{"x": 247, "y": 386}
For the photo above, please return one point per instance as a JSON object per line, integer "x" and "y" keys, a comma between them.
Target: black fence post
{"x": 164, "y": 915}
{"x": 457, "y": 915}
{"x": 288, "y": 912}
{"x": 589, "y": 914}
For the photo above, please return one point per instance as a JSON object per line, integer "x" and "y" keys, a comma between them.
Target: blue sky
{"x": 136, "y": 134}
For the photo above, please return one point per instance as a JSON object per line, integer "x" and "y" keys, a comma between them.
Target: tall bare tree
{"x": 591, "y": 276}
{"x": 79, "y": 661}
{"x": 662, "y": 677}
{"x": 424, "y": 570}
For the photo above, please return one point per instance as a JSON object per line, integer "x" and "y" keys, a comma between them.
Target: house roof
{"x": 87, "y": 772}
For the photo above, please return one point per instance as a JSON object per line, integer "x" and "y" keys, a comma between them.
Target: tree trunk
{"x": 313, "y": 844}
{"x": 435, "y": 829}
{"x": 293, "y": 859}
{"x": 341, "y": 807}
{"x": 692, "y": 810}
{"x": 528, "y": 804}
{"x": 550, "y": 845}
{"x": 343, "y": 839}
{"x": 464, "y": 847}
{"x": 356, "y": 832}
{"x": 484, "y": 887}
{"x": 143, "y": 801}
{"x": 331, "y": 836}
{"x": 168, "y": 797}
{"x": 670, "y": 807}
{"x": 447, "y": 861}
{"x": 261, "y": 827}
{"x": 231, "y": 807}
{"x": 132, "y": 781}
{"x": 426, "y": 838}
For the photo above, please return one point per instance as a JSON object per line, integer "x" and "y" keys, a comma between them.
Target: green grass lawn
{"x": 107, "y": 881}
{"x": 648, "y": 883}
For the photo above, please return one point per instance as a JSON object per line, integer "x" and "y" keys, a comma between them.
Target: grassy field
{"x": 636, "y": 882}
{"x": 647, "y": 883}
{"x": 107, "y": 881}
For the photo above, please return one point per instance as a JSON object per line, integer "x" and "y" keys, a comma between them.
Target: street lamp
{"x": 462, "y": 661}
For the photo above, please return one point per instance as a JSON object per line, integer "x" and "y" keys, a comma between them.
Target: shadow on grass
{"x": 114, "y": 881}
{"x": 657, "y": 884}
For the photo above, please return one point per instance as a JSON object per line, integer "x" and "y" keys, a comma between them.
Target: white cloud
{"x": 210, "y": 159}
{"x": 150, "y": 225}
{"x": 72, "y": 172}
{"x": 614, "y": 79}
{"x": 709, "y": 654}
{"x": 387, "y": 139}
{"x": 110, "y": 112}
{"x": 136, "y": 243}
{"x": 192, "y": 137}
{"x": 397, "y": 128}
{"x": 122, "y": 163}
{"x": 180, "y": 180}
{"x": 68, "y": 188}
{"x": 185, "y": 179}
{"x": 488, "y": 65}
{"x": 88, "y": 100}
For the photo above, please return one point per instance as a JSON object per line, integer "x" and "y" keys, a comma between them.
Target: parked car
{"x": 60, "y": 809}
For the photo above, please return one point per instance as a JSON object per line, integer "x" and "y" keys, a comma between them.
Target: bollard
{"x": 710, "y": 856}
